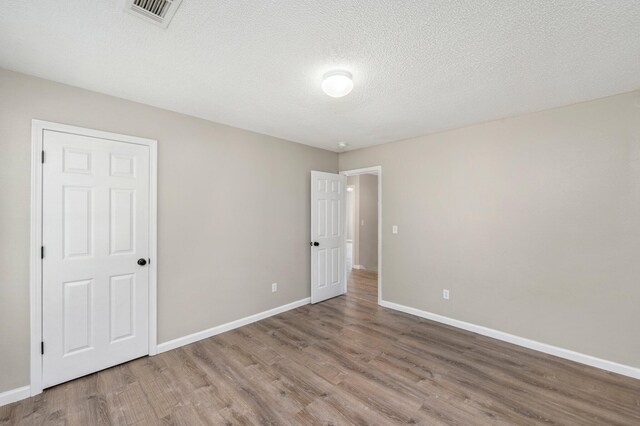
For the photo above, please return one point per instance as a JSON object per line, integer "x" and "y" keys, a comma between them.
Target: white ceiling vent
{"x": 158, "y": 12}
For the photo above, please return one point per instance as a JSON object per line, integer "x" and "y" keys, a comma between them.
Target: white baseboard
{"x": 25, "y": 392}
{"x": 191, "y": 338}
{"x": 603, "y": 364}
{"x": 358, "y": 267}
{"x": 14, "y": 395}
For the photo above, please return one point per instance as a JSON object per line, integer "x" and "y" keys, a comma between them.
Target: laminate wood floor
{"x": 344, "y": 361}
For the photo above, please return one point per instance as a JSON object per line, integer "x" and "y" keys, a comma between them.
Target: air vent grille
{"x": 159, "y": 12}
{"x": 156, "y": 8}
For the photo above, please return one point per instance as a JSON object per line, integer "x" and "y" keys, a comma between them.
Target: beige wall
{"x": 233, "y": 212}
{"x": 532, "y": 222}
{"x": 368, "y": 222}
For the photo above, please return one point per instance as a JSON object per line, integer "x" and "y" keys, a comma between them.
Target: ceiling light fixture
{"x": 337, "y": 83}
{"x": 342, "y": 145}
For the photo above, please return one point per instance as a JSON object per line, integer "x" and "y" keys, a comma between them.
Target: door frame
{"x": 377, "y": 170}
{"x": 35, "y": 276}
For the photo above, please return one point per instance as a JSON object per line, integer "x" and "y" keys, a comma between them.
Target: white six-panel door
{"x": 94, "y": 230}
{"x": 328, "y": 275}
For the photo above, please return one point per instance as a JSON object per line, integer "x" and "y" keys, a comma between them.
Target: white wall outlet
{"x": 445, "y": 294}
{"x": 394, "y": 229}
{"x": 274, "y": 287}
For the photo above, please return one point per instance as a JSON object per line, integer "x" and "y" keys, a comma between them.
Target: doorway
{"x": 350, "y": 225}
{"x": 93, "y": 251}
{"x": 339, "y": 248}
{"x": 363, "y": 242}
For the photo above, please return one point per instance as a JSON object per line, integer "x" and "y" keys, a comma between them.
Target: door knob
{"x": 315, "y": 244}
{"x": 142, "y": 262}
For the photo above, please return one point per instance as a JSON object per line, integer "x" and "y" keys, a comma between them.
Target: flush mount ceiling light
{"x": 337, "y": 83}
{"x": 342, "y": 145}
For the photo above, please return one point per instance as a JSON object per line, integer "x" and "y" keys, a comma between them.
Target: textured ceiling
{"x": 419, "y": 66}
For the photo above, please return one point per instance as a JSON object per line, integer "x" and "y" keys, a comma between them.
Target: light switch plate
{"x": 394, "y": 229}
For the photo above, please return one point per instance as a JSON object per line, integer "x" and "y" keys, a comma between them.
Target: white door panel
{"x": 94, "y": 230}
{"x": 327, "y": 235}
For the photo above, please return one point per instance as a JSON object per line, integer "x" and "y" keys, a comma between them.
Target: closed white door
{"x": 95, "y": 233}
{"x": 327, "y": 235}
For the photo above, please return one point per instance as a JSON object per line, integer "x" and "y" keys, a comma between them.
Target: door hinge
{"x": 41, "y": 348}
{"x": 43, "y": 156}
{"x": 41, "y": 252}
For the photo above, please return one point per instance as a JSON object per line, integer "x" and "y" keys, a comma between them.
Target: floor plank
{"x": 343, "y": 361}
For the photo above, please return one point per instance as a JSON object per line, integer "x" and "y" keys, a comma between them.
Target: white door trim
{"x": 377, "y": 170}
{"x": 35, "y": 277}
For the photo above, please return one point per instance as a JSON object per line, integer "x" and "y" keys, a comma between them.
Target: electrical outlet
{"x": 361, "y": 222}
{"x": 445, "y": 294}
{"x": 274, "y": 287}
{"x": 394, "y": 229}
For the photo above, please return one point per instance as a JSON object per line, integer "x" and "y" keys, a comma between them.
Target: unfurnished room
{"x": 368, "y": 212}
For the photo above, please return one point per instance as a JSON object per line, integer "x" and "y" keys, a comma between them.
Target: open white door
{"x": 328, "y": 214}
{"x": 95, "y": 232}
